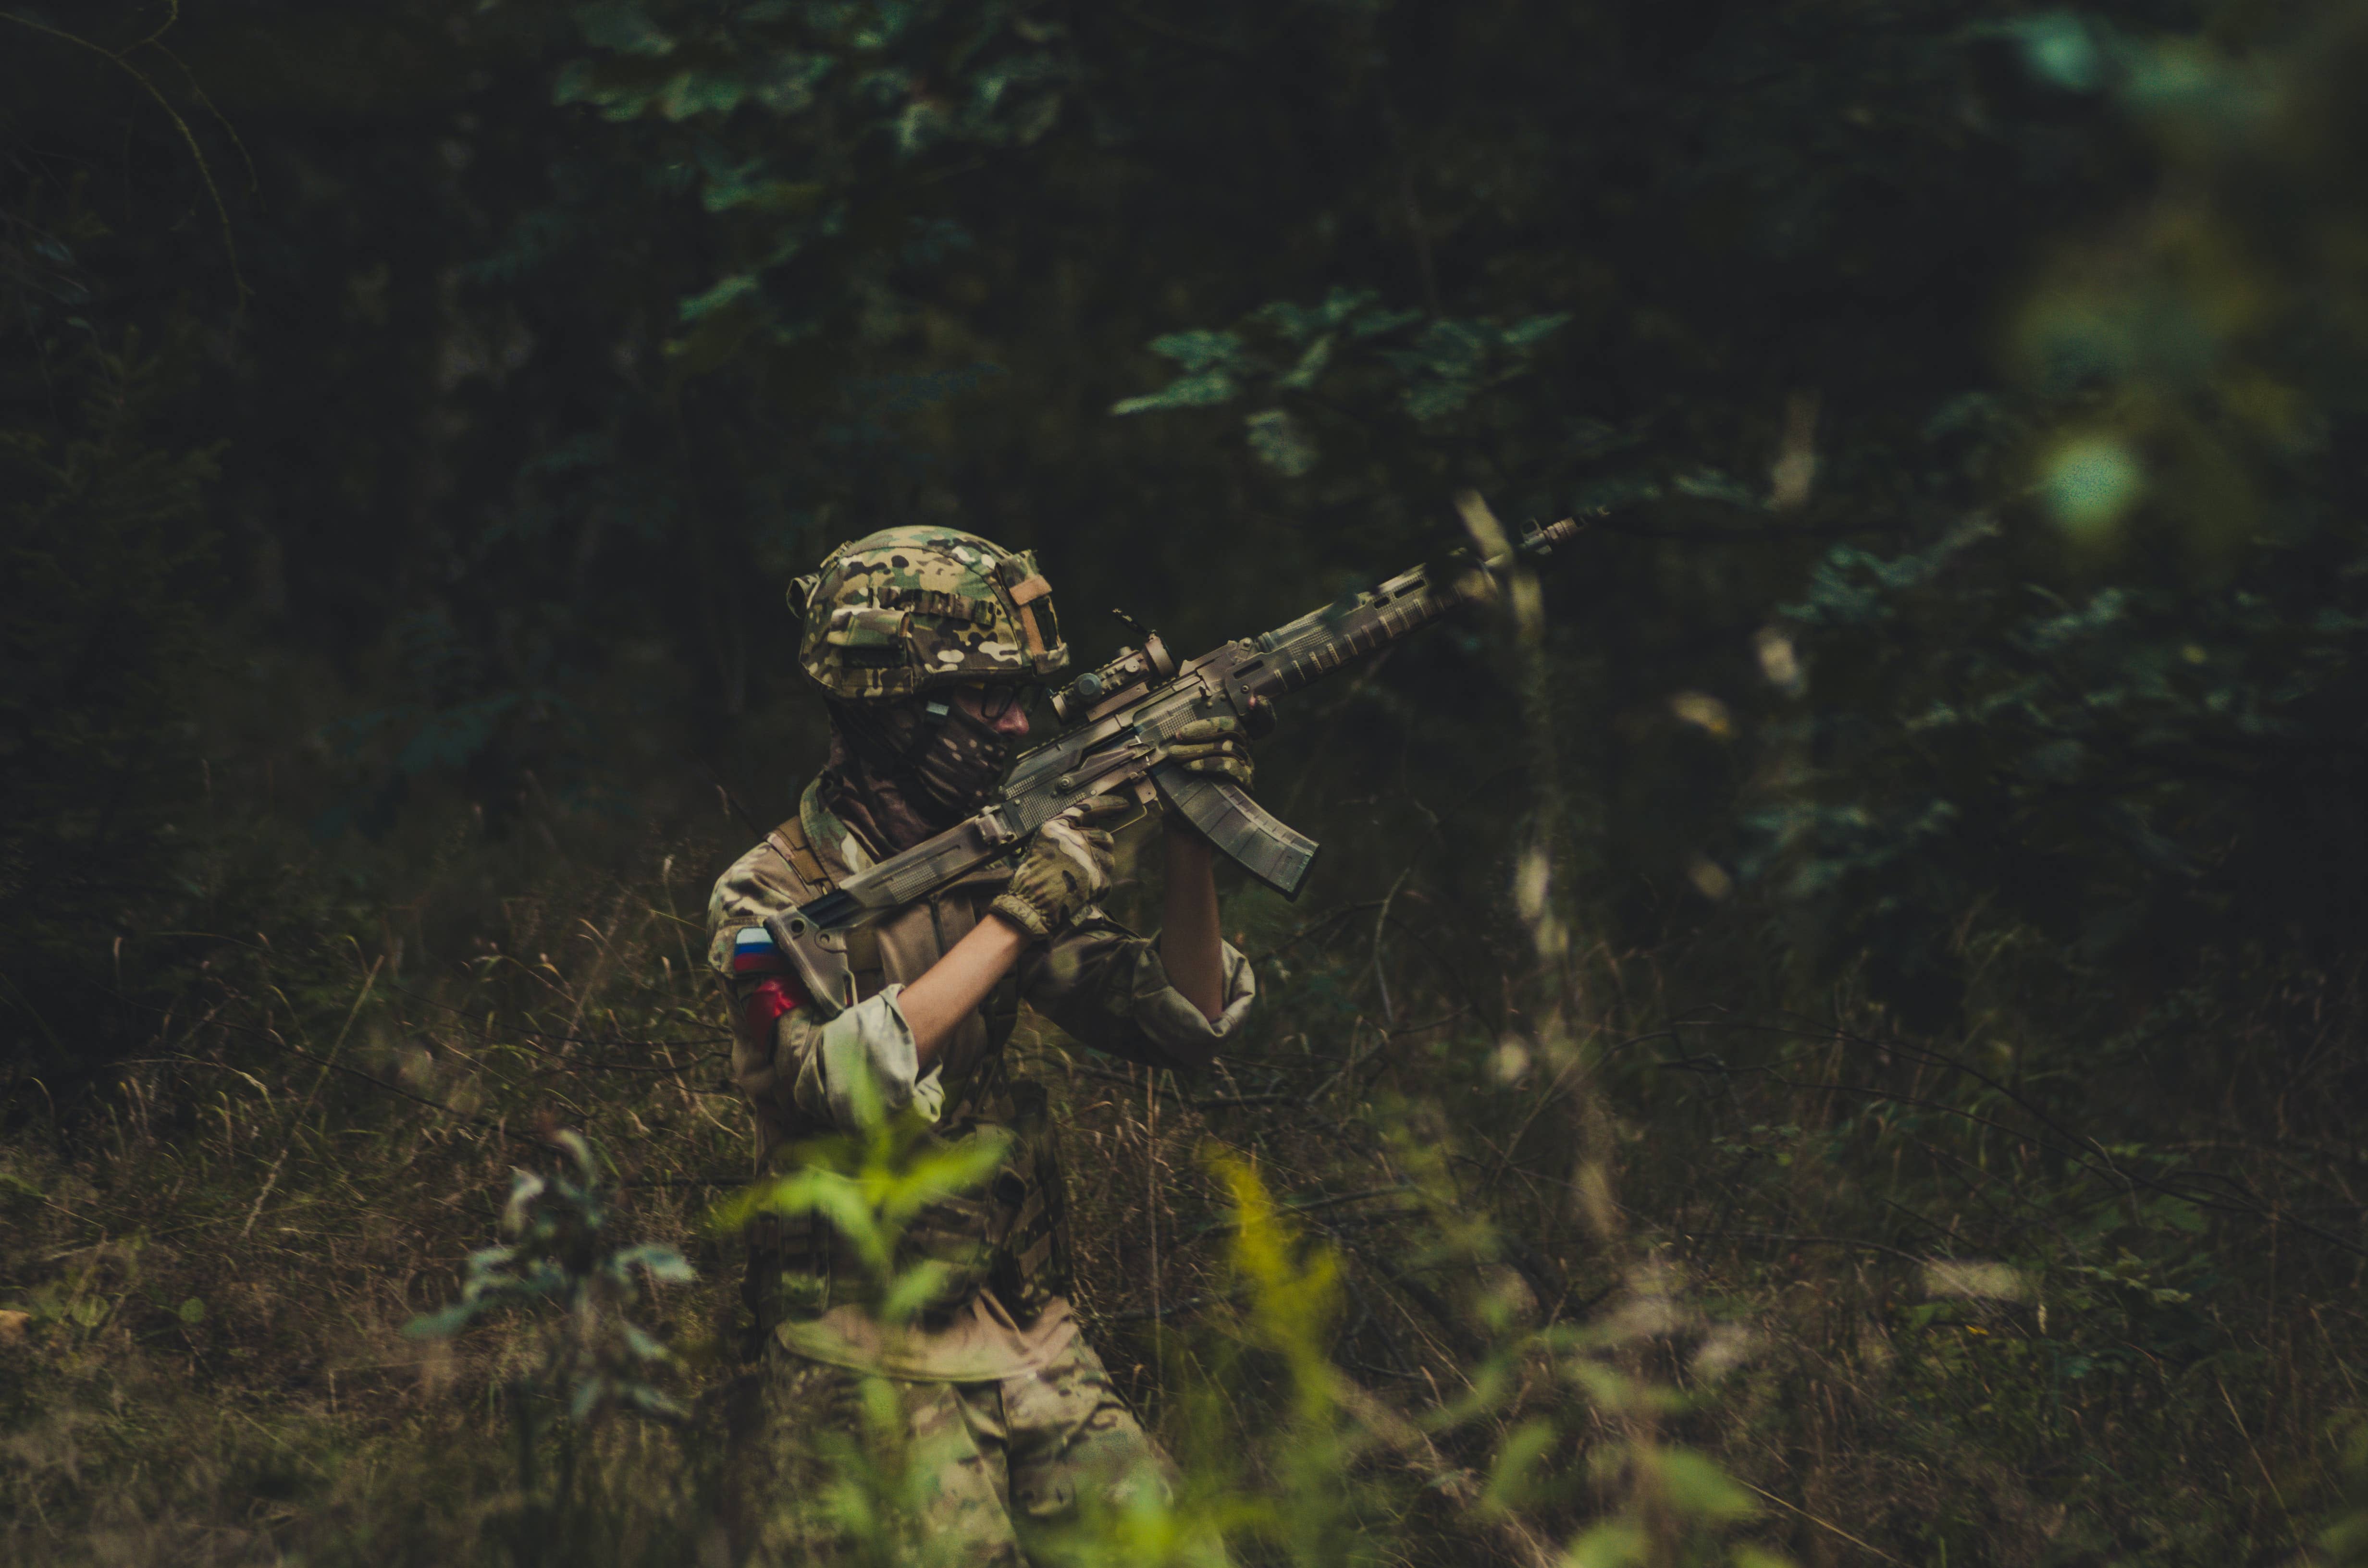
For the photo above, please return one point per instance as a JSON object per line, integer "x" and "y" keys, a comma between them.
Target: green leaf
{"x": 1509, "y": 1483}
{"x": 1298, "y": 323}
{"x": 1698, "y": 1485}
{"x": 441, "y": 1324}
{"x": 1428, "y": 401}
{"x": 525, "y": 1188}
{"x": 1301, "y": 377}
{"x": 788, "y": 199}
{"x": 732, "y": 1214}
{"x": 1192, "y": 391}
{"x": 1615, "y": 1543}
{"x": 941, "y": 1174}
{"x": 1280, "y": 443}
{"x": 1198, "y": 350}
{"x": 663, "y": 1262}
{"x": 729, "y": 291}
{"x": 912, "y": 1289}
{"x": 787, "y": 87}
{"x": 622, "y": 26}
{"x": 579, "y": 1153}
{"x": 2059, "y": 49}
{"x": 1527, "y": 335}
{"x": 701, "y": 92}
{"x": 485, "y": 1260}
{"x": 841, "y": 1203}
{"x": 1381, "y": 322}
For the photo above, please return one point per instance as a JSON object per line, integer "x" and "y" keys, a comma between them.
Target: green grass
{"x": 1651, "y": 1268}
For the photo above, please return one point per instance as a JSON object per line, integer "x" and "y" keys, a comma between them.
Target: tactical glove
{"x": 1065, "y": 867}
{"x": 1216, "y": 747}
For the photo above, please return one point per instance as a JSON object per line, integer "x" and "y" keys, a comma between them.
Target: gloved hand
{"x": 1216, "y": 747}
{"x": 1065, "y": 867}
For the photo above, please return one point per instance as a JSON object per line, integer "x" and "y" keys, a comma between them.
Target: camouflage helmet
{"x": 904, "y": 609}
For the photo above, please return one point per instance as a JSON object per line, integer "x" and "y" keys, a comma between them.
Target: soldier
{"x": 926, "y": 641}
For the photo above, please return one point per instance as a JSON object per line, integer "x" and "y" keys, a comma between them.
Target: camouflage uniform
{"x": 990, "y": 1467}
{"x": 1010, "y": 1423}
{"x": 1098, "y": 982}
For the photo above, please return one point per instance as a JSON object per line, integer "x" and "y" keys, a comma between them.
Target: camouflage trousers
{"x": 874, "y": 1471}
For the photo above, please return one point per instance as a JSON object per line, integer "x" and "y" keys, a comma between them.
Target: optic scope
{"x": 1097, "y": 691}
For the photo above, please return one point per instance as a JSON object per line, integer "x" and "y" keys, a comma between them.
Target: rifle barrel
{"x": 1314, "y": 646}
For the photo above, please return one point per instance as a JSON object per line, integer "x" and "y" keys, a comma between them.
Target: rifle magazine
{"x": 1243, "y": 832}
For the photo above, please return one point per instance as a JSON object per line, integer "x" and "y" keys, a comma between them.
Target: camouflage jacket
{"x": 1098, "y": 982}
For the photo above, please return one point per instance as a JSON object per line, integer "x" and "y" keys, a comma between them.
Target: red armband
{"x": 774, "y": 997}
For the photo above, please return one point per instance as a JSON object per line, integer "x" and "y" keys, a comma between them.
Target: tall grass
{"x": 1596, "y": 1258}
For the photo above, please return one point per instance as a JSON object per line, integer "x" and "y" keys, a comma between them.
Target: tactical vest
{"x": 1010, "y": 1236}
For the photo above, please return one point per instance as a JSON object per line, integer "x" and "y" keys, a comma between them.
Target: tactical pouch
{"x": 1032, "y": 1260}
{"x": 793, "y": 1270}
{"x": 868, "y": 635}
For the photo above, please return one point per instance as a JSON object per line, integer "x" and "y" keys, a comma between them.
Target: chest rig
{"x": 1009, "y": 1237}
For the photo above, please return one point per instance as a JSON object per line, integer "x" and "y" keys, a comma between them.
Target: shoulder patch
{"x": 753, "y": 953}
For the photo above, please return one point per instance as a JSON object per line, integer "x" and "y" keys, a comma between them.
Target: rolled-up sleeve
{"x": 804, "y": 1071}
{"x": 1107, "y": 988}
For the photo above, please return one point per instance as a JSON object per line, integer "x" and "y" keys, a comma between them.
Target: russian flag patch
{"x": 753, "y": 953}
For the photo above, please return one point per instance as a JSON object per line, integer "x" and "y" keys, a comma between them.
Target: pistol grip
{"x": 822, "y": 969}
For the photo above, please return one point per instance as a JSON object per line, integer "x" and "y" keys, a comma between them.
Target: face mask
{"x": 958, "y": 761}
{"x": 944, "y": 765}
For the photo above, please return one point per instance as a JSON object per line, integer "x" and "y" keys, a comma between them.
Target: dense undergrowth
{"x": 1910, "y": 1298}
{"x": 1844, "y": 1045}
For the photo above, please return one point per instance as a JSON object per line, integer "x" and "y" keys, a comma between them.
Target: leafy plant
{"x": 560, "y": 1259}
{"x": 1310, "y": 362}
{"x": 808, "y": 128}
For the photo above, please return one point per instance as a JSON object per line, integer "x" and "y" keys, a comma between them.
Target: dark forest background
{"x": 412, "y": 411}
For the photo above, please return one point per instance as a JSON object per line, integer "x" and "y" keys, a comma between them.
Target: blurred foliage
{"x": 596, "y": 1360}
{"x": 1918, "y": 824}
{"x": 1995, "y": 363}
{"x": 2116, "y": 696}
{"x": 558, "y": 1255}
{"x": 869, "y": 1186}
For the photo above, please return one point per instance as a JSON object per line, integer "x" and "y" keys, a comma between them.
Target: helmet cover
{"x": 910, "y": 609}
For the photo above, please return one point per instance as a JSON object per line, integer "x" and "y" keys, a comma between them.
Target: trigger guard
{"x": 1139, "y": 792}
{"x": 1258, "y": 719}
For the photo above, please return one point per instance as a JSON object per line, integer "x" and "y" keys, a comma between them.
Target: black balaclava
{"x": 899, "y": 773}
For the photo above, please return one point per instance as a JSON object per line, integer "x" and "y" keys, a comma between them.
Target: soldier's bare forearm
{"x": 956, "y": 985}
{"x": 1190, "y": 946}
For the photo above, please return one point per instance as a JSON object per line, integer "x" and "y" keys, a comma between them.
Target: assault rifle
{"x": 1119, "y": 720}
